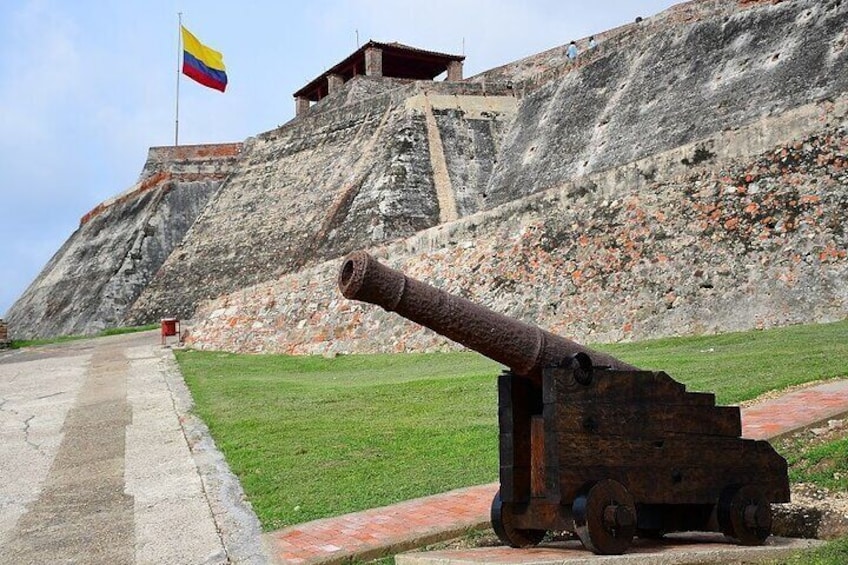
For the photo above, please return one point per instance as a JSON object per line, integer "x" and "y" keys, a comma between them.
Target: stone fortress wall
{"x": 670, "y": 82}
{"x": 360, "y": 172}
{"x": 90, "y": 283}
{"x": 686, "y": 178}
{"x": 756, "y": 242}
{"x": 341, "y": 178}
{"x": 689, "y": 165}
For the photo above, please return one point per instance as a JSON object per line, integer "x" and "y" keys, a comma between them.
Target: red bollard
{"x": 170, "y": 326}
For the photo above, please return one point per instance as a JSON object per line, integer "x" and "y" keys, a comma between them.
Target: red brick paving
{"x": 370, "y": 533}
{"x": 380, "y": 531}
{"x": 798, "y": 409}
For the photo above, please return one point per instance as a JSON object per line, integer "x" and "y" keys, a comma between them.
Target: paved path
{"x": 101, "y": 463}
{"x": 402, "y": 526}
{"x": 797, "y": 409}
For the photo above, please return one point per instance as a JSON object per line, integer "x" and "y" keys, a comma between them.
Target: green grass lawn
{"x": 825, "y": 465}
{"x": 741, "y": 366}
{"x": 834, "y": 553}
{"x": 19, "y": 343}
{"x": 311, "y": 437}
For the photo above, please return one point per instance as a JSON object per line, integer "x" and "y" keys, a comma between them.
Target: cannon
{"x": 590, "y": 444}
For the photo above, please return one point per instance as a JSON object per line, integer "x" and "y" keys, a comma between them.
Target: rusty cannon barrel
{"x": 524, "y": 348}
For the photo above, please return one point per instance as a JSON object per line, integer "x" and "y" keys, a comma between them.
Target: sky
{"x": 86, "y": 86}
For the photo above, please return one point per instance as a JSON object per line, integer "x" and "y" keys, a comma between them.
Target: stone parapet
{"x": 201, "y": 152}
{"x": 4, "y": 334}
{"x": 171, "y": 164}
{"x": 360, "y": 91}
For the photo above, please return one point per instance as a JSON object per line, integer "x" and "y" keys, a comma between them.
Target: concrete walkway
{"x": 402, "y": 526}
{"x": 101, "y": 462}
{"x": 692, "y": 548}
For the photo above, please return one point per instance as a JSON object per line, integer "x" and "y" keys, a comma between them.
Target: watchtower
{"x": 374, "y": 59}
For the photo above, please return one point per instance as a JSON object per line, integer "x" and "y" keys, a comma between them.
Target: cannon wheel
{"x": 502, "y": 518}
{"x": 605, "y": 517}
{"x": 744, "y": 513}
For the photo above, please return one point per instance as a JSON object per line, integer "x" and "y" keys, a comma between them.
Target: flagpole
{"x": 179, "y": 57}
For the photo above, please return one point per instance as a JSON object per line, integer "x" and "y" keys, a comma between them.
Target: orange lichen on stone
{"x": 831, "y": 253}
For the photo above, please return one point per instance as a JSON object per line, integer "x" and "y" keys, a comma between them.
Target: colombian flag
{"x": 203, "y": 64}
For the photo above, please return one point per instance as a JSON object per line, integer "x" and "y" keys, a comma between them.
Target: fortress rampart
{"x": 690, "y": 164}
{"x": 182, "y": 163}
{"x": 757, "y": 243}
{"x": 90, "y": 283}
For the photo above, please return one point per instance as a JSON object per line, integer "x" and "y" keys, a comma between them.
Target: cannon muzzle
{"x": 524, "y": 348}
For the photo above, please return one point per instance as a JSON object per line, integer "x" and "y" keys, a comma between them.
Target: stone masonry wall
{"x": 663, "y": 103}
{"x": 741, "y": 244}
{"x": 538, "y": 69}
{"x": 91, "y": 282}
{"x": 361, "y": 88}
{"x": 669, "y": 82}
{"x": 335, "y": 180}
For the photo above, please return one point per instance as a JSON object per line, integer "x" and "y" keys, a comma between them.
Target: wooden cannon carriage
{"x": 589, "y": 444}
